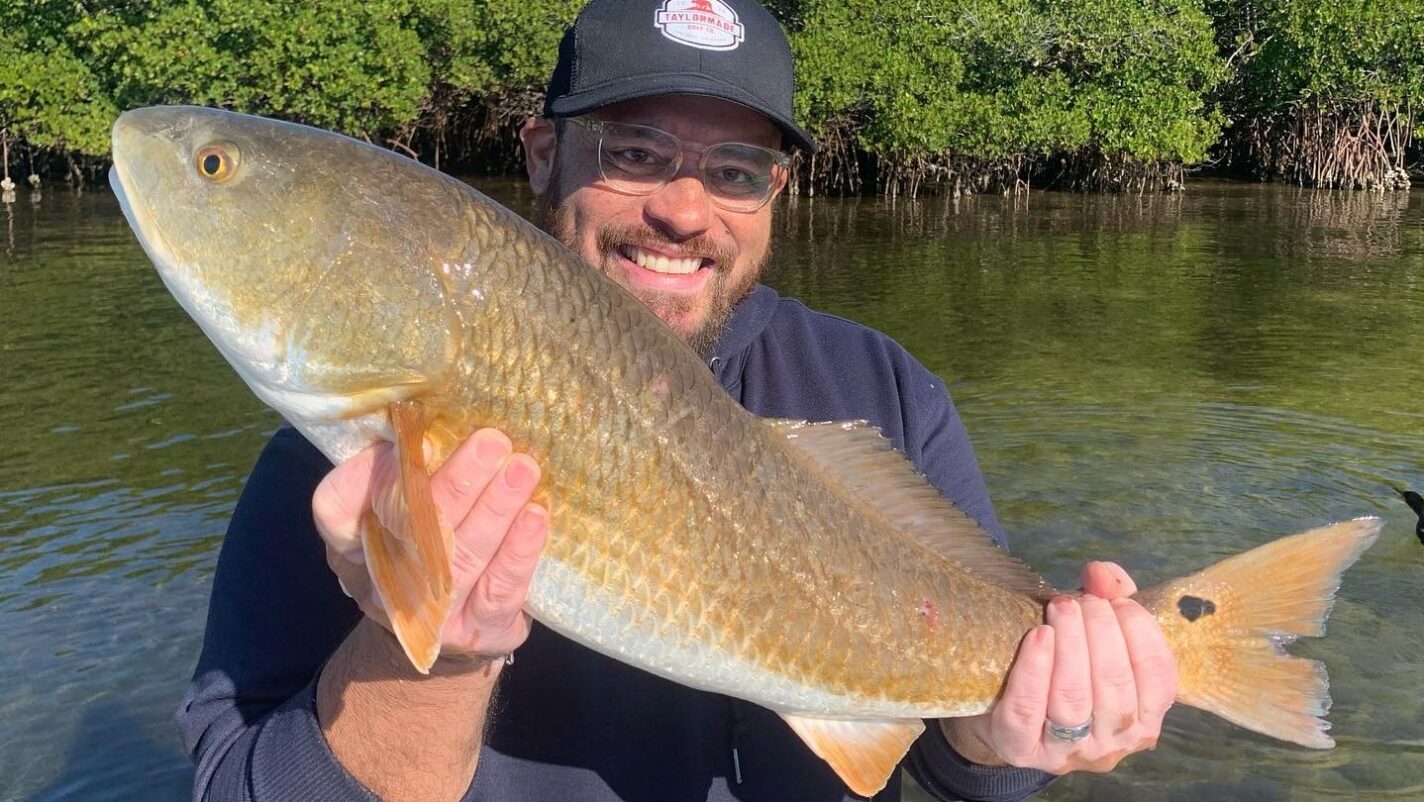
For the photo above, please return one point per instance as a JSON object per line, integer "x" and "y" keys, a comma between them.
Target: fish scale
{"x": 674, "y": 555}
{"x": 806, "y": 568}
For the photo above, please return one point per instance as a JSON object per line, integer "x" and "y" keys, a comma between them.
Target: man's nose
{"x": 681, "y": 209}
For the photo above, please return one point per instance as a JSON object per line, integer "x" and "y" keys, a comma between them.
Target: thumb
{"x": 343, "y": 496}
{"x": 1107, "y": 581}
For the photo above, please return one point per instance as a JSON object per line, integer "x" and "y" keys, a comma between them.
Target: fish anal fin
{"x": 855, "y": 455}
{"x": 863, "y": 753}
{"x": 408, "y": 543}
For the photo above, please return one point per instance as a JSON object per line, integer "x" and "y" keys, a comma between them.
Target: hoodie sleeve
{"x": 935, "y": 439}
{"x": 276, "y": 614}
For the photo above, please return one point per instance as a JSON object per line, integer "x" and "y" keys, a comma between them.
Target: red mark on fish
{"x": 929, "y": 612}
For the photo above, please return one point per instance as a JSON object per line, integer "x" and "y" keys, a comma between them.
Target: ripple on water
{"x": 1167, "y": 486}
{"x": 1159, "y": 379}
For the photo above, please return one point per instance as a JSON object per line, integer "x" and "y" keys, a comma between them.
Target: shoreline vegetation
{"x": 945, "y": 96}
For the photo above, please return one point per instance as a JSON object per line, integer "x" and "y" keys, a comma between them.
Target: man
{"x": 658, "y": 159}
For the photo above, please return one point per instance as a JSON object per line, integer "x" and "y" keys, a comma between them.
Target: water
{"x": 1157, "y": 380}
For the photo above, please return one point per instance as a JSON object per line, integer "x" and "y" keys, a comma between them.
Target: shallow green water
{"x": 1158, "y": 380}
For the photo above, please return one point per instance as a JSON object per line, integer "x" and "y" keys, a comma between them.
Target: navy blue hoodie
{"x": 568, "y": 724}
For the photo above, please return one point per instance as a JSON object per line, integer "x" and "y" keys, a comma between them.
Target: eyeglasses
{"x": 640, "y": 160}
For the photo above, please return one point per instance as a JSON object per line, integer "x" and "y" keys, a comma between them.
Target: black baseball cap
{"x": 619, "y": 50}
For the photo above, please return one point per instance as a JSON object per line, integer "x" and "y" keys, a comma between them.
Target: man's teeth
{"x": 663, "y": 264}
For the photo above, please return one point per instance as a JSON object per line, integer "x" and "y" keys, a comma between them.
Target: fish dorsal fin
{"x": 856, "y": 455}
{"x": 408, "y": 543}
{"x": 863, "y": 753}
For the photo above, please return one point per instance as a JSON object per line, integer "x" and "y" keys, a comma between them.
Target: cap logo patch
{"x": 704, "y": 24}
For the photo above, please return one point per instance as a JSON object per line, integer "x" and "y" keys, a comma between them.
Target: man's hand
{"x": 483, "y": 490}
{"x": 369, "y": 698}
{"x": 1101, "y": 658}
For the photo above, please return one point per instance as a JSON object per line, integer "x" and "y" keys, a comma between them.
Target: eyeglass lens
{"x": 644, "y": 158}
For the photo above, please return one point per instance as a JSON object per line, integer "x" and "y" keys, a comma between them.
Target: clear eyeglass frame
{"x": 764, "y": 167}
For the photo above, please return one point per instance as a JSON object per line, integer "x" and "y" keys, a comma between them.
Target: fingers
{"x": 479, "y": 535}
{"x": 341, "y": 498}
{"x": 498, "y": 596}
{"x": 1107, "y": 581}
{"x": 1017, "y": 718}
{"x": 467, "y": 471}
{"x": 1153, "y": 664}
{"x": 1070, "y": 695}
{"x": 497, "y": 547}
{"x": 1099, "y": 660}
{"x": 1114, "y": 686}
{"x": 483, "y": 489}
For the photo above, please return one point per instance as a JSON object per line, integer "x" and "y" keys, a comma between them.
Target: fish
{"x": 802, "y": 566}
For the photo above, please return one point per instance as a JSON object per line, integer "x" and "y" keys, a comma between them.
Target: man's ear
{"x": 540, "y": 143}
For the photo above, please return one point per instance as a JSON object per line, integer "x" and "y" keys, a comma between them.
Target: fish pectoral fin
{"x": 408, "y": 543}
{"x": 863, "y": 753}
{"x": 856, "y": 456}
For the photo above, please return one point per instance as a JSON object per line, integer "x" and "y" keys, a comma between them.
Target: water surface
{"x": 1160, "y": 380}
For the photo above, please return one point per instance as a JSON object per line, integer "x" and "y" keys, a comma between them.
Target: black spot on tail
{"x": 1193, "y": 608}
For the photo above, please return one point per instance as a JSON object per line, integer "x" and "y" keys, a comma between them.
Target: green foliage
{"x": 1341, "y": 51}
{"x": 1323, "y": 92}
{"x": 353, "y": 67}
{"x": 363, "y": 67}
{"x": 49, "y": 97}
{"x": 937, "y": 88}
{"x": 1004, "y": 79}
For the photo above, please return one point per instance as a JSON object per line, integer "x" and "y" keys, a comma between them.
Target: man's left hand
{"x": 1100, "y": 659}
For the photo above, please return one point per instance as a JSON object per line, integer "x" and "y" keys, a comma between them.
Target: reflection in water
{"x": 1158, "y": 379}
{"x": 109, "y": 749}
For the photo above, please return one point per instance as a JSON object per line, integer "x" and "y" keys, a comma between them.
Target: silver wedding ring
{"x": 1070, "y": 734}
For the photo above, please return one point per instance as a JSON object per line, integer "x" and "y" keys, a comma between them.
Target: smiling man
{"x": 663, "y": 147}
{"x": 689, "y": 249}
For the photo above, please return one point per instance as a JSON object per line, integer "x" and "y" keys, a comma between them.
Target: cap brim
{"x": 680, "y": 83}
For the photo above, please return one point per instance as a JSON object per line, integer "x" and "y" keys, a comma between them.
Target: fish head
{"x": 311, "y": 260}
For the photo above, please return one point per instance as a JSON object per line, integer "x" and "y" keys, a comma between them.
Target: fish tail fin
{"x": 408, "y": 544}
{"x": 1228, "y": 626}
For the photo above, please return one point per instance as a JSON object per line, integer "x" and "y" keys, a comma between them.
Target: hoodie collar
{"x": 749, "y": 320}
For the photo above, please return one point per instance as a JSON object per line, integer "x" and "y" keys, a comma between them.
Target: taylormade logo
{"x": 705, "y": 24}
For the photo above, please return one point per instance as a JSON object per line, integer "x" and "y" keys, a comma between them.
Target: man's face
{"x": 686, "y": 258}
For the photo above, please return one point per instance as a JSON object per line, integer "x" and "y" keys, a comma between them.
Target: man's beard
{"x": 722, "y": 298}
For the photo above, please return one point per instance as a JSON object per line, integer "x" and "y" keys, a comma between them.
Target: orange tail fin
{"x": 1228, "y": 626}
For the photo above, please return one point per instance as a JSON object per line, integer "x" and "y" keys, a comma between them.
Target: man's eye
{"x": 635, "y": 156}
{"x": 735, "y": 175}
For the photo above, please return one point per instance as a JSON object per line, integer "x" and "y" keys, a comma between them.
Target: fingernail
{"x": 519, "y": 475}
{"x": 490, "y": 447}
{"x": 1063, "y": 604}
{"x": 533, "y": 516}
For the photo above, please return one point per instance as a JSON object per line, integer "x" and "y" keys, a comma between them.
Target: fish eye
{"x": 216, "y": 162}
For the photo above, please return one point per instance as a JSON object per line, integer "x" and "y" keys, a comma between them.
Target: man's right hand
{"x": 483, "y": 490}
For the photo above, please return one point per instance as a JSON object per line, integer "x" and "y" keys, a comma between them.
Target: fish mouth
{"x": 141, "y": 216}
{"x": 664, "y": 271}
{"x": 147, "y": 237}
